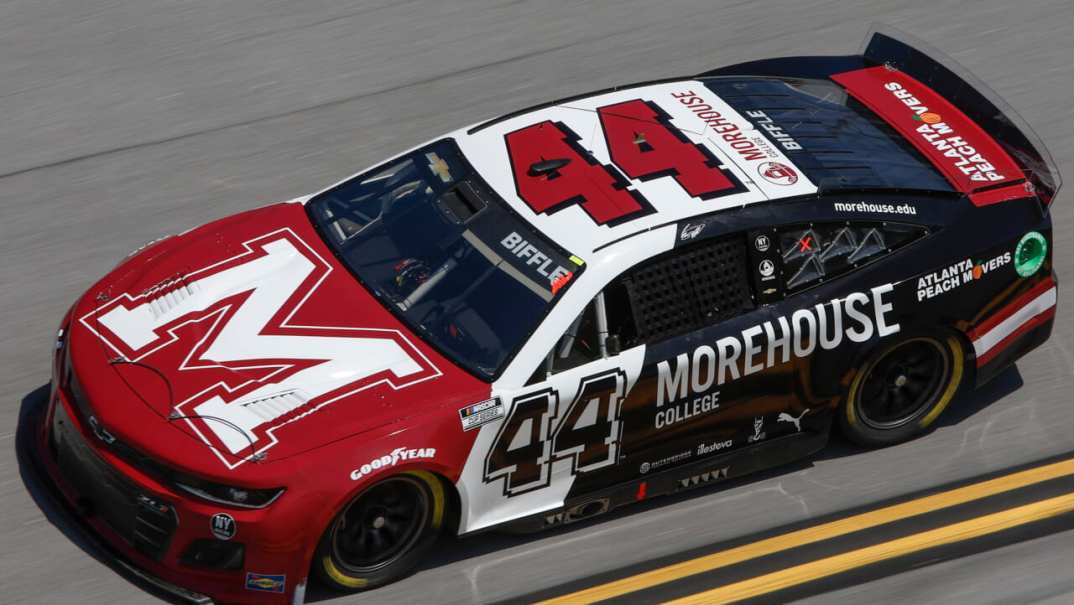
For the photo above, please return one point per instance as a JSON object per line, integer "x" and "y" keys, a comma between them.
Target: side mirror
{"x": 613, "y": 345}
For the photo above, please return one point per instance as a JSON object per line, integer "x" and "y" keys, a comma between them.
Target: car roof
{"x": 571, "y": 227}
{"x": 729, "y": 119}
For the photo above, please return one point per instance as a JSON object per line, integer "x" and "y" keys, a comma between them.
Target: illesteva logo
{"x": 272, "y": 370}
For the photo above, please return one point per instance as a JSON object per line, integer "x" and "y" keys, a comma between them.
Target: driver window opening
{"x": 598, "y": 332}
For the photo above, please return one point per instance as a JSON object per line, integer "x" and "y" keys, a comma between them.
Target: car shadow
{"x": 965, "y": 405}
{"x": 453, "y": 549}
{"x": 31, "y": 412}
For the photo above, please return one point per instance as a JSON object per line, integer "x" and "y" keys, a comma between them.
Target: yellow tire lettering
{"x": 338, "y": 576}
{"x": 955, "y": 348}
{"x": 852, "y": 419}
{"x": 437, "y": 490}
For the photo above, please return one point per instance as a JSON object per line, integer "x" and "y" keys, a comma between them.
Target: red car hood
{"x": 247, "y": 338}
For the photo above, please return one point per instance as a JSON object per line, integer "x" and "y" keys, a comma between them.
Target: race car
{"x": 543, "y": 317}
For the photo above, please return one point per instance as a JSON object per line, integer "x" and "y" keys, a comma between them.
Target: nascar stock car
{"x": 542, "y": 317}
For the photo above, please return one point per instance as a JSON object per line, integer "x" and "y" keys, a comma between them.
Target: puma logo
{"x": 797, "y": 422}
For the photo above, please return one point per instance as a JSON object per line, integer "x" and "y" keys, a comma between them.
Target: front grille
{"x": 143, "y": 522}
{"x": 121, "y": 450}
{"x": 73, "y": 390}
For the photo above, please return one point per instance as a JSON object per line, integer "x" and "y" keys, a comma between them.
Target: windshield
{"x": 440, "y": 249}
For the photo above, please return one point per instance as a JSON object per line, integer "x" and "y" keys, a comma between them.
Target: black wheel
{"x": 382, "y": 533}
{"x": 901, "y": 390}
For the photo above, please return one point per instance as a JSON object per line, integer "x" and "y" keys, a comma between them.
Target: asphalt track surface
{"x": 123, "y": 120}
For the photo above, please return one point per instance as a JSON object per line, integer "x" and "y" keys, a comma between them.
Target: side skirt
{"x": 710, "y": 471}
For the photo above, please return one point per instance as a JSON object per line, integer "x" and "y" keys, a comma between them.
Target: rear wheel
{"x": 383, "y": 533}
{"x": 900, "y": 391}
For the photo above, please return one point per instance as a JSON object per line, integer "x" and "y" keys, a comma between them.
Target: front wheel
{"x": 383, "y": 533}
{"x": 900, "y": 391}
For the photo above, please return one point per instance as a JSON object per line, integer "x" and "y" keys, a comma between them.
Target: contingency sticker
{"x": 475, "y": 415}
{"x": 265, "y": 582}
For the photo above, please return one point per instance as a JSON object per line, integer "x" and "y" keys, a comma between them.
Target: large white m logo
{"x": 247, "y": 303}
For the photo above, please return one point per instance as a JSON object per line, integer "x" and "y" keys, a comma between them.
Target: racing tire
{"x": 382, "y": 533}
{"x": 902, "y": 389}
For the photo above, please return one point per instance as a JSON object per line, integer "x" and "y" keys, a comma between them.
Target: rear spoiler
{"x": 892, "y": 61}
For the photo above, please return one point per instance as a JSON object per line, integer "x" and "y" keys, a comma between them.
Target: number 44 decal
{"x": 642, "y": 143}
{"x": 537, "y": 434}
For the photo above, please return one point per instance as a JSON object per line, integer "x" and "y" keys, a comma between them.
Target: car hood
{"x": 246, "y": 339}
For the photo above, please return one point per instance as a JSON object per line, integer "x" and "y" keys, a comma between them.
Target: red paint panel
{"x": 1013, "y": 336}
{"x": 966, "y": 155}
{"x": 1002, "y": 194}
{"x": 1011, "y": 308}
{"x": 642, "y": 142}
{"x": 134, "y": 402}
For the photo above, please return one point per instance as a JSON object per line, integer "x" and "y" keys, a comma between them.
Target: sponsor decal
{"x": 223, "y": 526}
{"x": 876, "y": 208}
{"x": 534, "y": 260}
{"x": 706, "y": 477}
{"x": 265, "y": 582}
{"x": 967, "y": 156}
{"x": 962, "y": 155}
{"x": 943, "y": 138}
{"x": 308, "y": 367}
{"x": 681, "y": 412}
{"x": 390, "y": 460}
{"x": 751, "y": 147}
{"x": 858, "y": 317}
{"x": 929, "y": 118}
{"x": 652, "y": 466}
{"x": 762, "y": 243}
{"x": 473, "y": 416}
{"x": 711, "y": 448}
{"x": 1029, "y": 253}
{"x": 776, "y": 131}
{"x": 958, "y": 274}
{"x": 767, "y": 269}
{"x": 795, "y": 420}
{"x": 690, "y": 231}
{"x": 758, "y": 430}
{"x": 559, "y": 282}
{"x": 777, "y": 173}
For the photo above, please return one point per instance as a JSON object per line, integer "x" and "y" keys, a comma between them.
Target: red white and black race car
{"x": 551, "y": 314}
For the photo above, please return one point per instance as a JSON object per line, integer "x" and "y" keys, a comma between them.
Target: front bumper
{"x": 125, "y": 515}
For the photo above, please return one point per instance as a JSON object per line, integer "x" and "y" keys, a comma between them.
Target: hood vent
{"x": 272, "y": 407}
{"x": 169, "y": 294}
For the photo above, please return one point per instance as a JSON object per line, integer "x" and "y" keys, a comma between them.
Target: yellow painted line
{"x": 949, "y": 534}
{"x": 818, "y": 533}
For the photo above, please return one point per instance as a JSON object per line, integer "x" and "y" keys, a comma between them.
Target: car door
{"x": 713, "y": 379}
{"x": 673, "y": 362}
{"x": 665, "y": 367}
